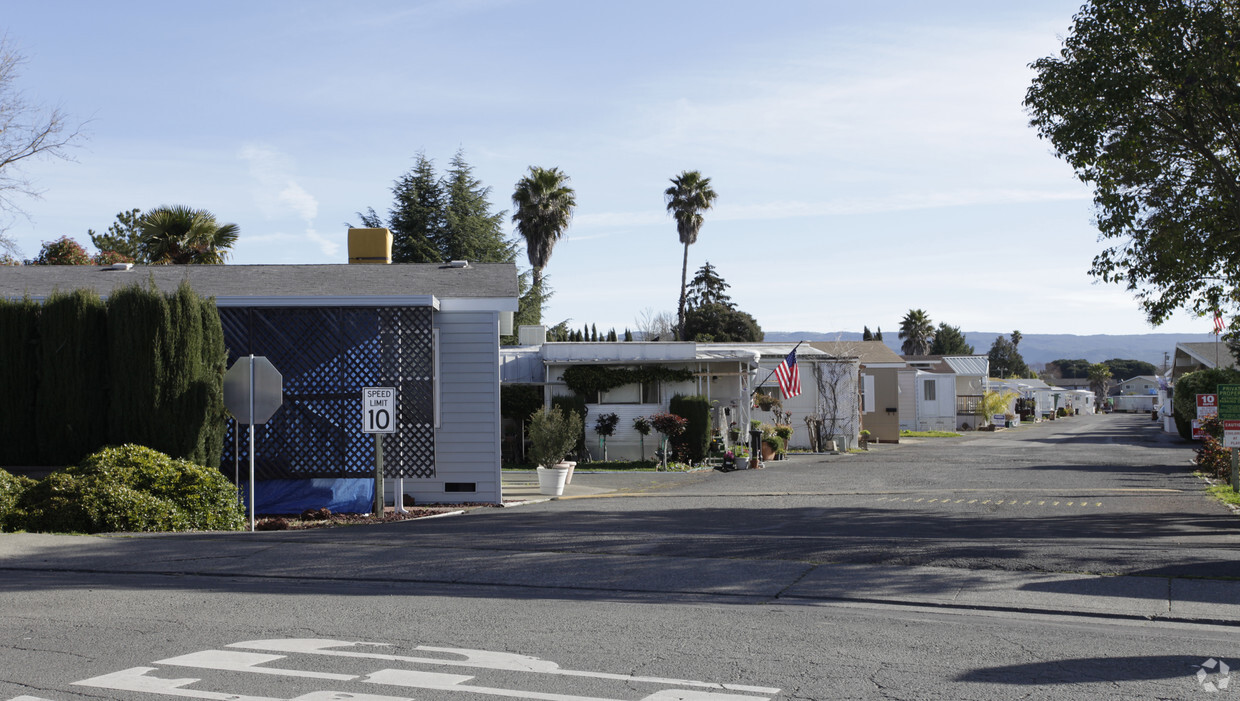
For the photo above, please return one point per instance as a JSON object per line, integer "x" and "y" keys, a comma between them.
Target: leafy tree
{"x": 707, "y": 287}
{"x": 917, "y": 331}
{"x": 473, "y": 231}
{"x": 1070, "y": 368}
{"x": 1128, "y": 369}
{"x": 62, "y": 251}
{"x": 543, "y": 205}
{"x": 1143, "y": 102}
{"x": 1099, "y": 381}
{"x": 27, "y": 132}
{"x": 689, "y": 196}
{"x": 180, "y": 235}
{"x": 866, "y": 334}
{"x": 720, "y": 324}
{"x": 124, "y": 236}
{"x": 948, "y": 340}
{"x": 1005, "y": 360}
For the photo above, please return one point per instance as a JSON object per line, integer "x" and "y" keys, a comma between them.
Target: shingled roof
{"x": 274, "y": 283}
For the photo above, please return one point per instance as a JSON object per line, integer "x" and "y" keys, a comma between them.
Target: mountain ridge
{"x": 1041, "y": 348}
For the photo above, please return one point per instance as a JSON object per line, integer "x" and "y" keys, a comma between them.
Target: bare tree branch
{"x": 27, "y": 131}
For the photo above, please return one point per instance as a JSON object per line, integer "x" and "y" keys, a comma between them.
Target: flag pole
{"x": 772, "y": 374}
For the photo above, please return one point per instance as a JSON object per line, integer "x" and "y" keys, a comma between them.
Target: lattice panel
{"x": 326, "y": 355}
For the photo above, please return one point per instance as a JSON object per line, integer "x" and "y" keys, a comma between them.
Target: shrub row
{"x": 144, "y": 368}
{"x": 127, "y": 488}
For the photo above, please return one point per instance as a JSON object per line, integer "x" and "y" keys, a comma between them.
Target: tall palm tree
{"x": 917, "y": 331}
{"x": 689, "y": 196}
{"x": 180, "y": 235}
{"x": 543, "y": 205}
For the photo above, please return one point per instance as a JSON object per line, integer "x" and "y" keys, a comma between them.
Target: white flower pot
{"x": 571, "y": 465}
{"x": 551, "y": 480}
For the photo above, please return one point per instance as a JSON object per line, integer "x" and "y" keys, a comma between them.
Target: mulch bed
{"x": 324, "y": 518}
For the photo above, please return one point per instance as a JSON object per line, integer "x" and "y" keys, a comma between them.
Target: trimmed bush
{"x": 695, "y": 441}
{"x": 12, "y": 487}
{"x": 19, "y": 373}
{"x": 576, "y": 404}
{"x": 72, "y": 404}
{"x": 132, "y": 488}
{"x": 553, "y": 433}
{"x": 139, "y": 328}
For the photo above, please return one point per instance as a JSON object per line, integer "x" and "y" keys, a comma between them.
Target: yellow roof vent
{"x": 372, "y": 246}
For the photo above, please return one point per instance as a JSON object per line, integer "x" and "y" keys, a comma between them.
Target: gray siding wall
{"x": 467, "y": 442}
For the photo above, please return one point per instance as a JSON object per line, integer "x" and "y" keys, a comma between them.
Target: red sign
{"x": 1231, "y": 434}
{"x": 1207, "y": 405}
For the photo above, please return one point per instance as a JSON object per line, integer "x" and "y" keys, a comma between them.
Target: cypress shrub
{"x": 139, "y": 329}
{"x": 19, "y": 347}
{"x": 72, "y": 403}
{"x": 214, "y": 363}
{"x": 695, "y": 441}
{"x": 182, "y": 402}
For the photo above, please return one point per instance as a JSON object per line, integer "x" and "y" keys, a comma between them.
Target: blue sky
{"x": 869, "y": 157}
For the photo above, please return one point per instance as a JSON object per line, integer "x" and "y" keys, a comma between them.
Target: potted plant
{"x": 734, "y": 433}
{"x": 865, "y": 439}
{"x": 772, "y": 445}
{"x": 784, "y": 431}
{"x": 766, "y": 402}
{"x": 553, "y": 433}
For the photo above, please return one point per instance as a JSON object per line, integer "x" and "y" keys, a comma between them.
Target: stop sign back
{"x": 268, "y": 386}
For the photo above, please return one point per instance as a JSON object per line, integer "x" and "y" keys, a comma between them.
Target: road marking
{"x": 1041, "y": 503}
{"x": 1055, "y": 504}
{"x": 973, "y": 501}
{"x": 1027, "y": 503}
{"x": 141, "y": 679}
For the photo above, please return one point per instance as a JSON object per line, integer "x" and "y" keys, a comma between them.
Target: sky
{"x": 869, "y": 158}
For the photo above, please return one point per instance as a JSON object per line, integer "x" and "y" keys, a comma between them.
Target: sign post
{"x": 1229, "y": 414}
{"x": 253, "y": 390}
{"x": 379, "y": 417}
{"x": 1207, "y": 405}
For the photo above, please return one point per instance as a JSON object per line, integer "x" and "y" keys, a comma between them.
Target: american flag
{"x": 1218, "y": 323}
{"x": 789, "y": 378}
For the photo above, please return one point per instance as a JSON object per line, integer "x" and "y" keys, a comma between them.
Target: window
{"x": 928, "y": 393}
{"x": 636, "y": 393}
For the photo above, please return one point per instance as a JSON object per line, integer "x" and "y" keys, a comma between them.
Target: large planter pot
{"x": 768, "y": 451}
{"x": 551, "y": 480}
{"x": 571, "y": 465}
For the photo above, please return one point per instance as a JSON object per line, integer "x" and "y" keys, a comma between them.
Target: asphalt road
{"x": 698, "y": 587}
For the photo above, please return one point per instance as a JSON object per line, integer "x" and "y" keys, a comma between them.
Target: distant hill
{"x": 1040, "y": 348}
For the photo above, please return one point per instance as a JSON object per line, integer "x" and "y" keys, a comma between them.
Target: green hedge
{"x": 19, "y": 373}
{"x": 76, "y": 374}
{"x": 130, "y": 488}
{"x": 12, "y": 487}
{"x": 72, "y": 403}
{"x": 695, "y": 441}
{"x": 1184, "y": 406}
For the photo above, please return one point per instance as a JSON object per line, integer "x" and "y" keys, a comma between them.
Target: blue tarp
{"x": 347, "y": 496}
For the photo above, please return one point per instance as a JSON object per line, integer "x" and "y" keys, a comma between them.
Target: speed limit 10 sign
{"x": 379, "y": 410}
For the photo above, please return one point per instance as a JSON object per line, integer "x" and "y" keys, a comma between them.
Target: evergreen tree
{"x": 473, "y": 232}
{"x": 1005, "y": 360}
{"x": 416, "y": 218}
{"x": 124, "y": 237}
{"x": 707, "y": 287}
{"x": 948, "y": 340}
{"x": 611, "y": 335}
{"x": 19, "y": 346}
{"x": 720, "y": 324}
{"x": 72, "y": 404}
{"x": 866, "y": 335}
{"x": 593, "y": 332}
{"x": 878, "y": 333}
{"x": 628, "y": 335}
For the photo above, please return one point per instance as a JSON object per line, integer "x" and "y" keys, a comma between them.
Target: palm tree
{"x": 179, "y": 235}
{"x": 543, "y": 205}
{"x": 917, "y": 331}
{"x": 689, "y": 196}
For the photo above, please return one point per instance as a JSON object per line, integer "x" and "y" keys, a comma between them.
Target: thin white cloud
{"x": 278, "y": 195}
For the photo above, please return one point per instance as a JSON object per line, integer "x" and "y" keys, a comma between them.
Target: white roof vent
{"x": 457, "y": 264}
{"x": 120, "y": 266}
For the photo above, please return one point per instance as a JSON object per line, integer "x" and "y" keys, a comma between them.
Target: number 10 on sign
{"x": 379, "y": 410}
